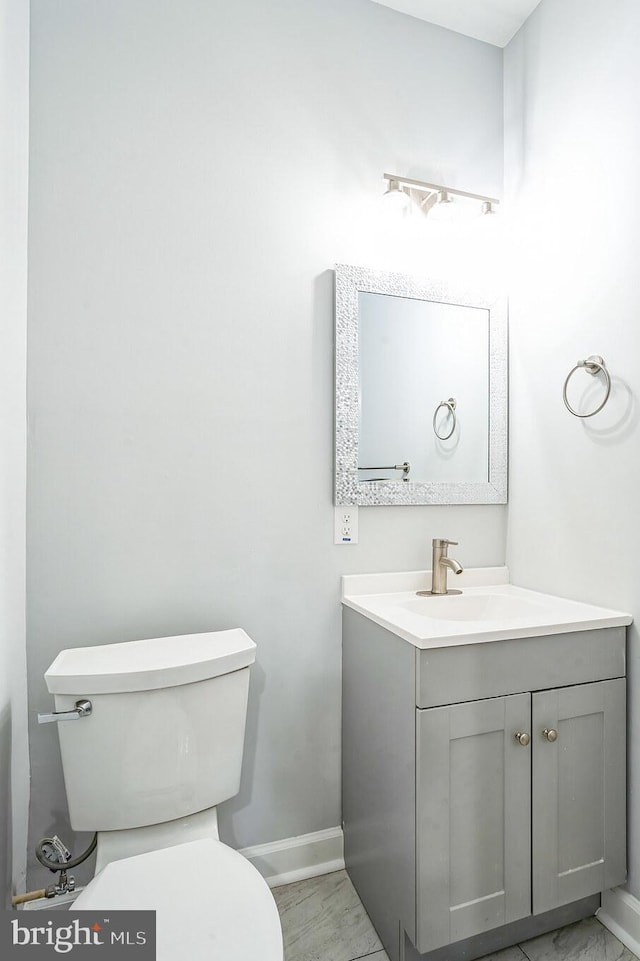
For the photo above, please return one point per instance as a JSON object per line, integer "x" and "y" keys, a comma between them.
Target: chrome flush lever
{"x": 83, "y": 708}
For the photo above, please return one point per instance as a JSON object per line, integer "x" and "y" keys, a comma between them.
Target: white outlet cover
{"x": 345, "y": 525}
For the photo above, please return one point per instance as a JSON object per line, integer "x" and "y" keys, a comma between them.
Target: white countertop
{"x": 489, "y": 608}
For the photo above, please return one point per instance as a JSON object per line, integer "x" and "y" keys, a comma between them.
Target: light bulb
{"x": 396, "y": 200}
{"x": 445, "y": 210}
{"x": 489, "y": 221}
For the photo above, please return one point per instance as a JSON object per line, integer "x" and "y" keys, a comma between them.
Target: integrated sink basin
{"x": 489, "y": 608}
{"x": 480, "y": 604}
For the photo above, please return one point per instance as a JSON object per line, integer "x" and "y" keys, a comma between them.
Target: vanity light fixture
{"x": 435, "y": 199}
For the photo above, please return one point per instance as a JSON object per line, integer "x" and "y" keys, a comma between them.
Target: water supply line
{"x": 62, "y": 863}
{"x": 33, "y": 895}
{"x": 53, "y": 854}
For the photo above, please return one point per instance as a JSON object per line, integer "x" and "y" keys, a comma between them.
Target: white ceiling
{"x": 495, "y": 21}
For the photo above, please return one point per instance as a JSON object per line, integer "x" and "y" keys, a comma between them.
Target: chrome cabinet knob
{"x": 550, "y": 734}
{"x": 522, "y": 738}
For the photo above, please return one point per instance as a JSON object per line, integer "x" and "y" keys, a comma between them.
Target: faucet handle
{"x": 443, "y": 542}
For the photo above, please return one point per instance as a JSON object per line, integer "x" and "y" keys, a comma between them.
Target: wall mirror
{"x": 421, "y": 391}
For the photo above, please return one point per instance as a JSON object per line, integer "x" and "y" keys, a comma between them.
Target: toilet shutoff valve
{"x": 66, "y": 883}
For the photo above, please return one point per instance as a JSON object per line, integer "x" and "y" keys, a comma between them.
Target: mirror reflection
{"x": 423, "y": 390}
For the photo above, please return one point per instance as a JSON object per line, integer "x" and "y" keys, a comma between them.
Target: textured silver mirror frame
{"x": 350, "y": 281}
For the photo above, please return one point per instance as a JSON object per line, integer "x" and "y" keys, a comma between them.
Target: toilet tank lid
{"x": 149, "y": 664}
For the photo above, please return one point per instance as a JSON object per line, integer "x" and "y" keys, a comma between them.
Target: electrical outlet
{"x": 346, "y": 525}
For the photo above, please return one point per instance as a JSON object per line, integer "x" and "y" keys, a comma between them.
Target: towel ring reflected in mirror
{"x": 593, "y": 365}
{"x": 451, "y": 407}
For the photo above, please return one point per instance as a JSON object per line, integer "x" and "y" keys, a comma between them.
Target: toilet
{"x": 160, "y": 747}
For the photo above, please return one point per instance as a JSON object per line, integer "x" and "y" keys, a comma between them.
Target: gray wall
{"x": 14, "y": 163}
{"x": 196, "y": 170}
{"x": 572, "y": 84}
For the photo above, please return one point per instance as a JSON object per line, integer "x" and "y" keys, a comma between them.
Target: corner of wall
{"x": 14, "y": 165}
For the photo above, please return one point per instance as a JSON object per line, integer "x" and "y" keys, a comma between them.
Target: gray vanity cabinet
{"x": 579, "y": 792}
{"x": 460, "y": 837}
{"x": 473, "y": 811}
{"x": 505, "y": 829}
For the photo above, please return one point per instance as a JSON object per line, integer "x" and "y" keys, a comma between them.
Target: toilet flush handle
{"x": 82, "y": 708}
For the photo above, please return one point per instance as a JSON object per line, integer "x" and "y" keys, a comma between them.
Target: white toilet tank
{"x": 166, "y": 732}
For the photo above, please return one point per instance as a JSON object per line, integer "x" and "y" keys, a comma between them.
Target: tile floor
{"x": 323, "y": 920}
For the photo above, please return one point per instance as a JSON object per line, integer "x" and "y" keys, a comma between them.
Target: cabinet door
{"x": 579, "y": 792}
{"x": 473, "y": 819}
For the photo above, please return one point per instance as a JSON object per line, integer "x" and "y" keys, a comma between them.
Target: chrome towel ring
{"x": 451, "y": 407}
{"x": 592, "y": 365}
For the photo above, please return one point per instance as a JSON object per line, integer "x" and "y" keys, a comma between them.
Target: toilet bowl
{"x": 210, "y": 902}
{"x": 145, "y": 767}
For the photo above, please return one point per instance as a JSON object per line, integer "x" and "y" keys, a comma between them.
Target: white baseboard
{"x": 620, "y": 913}
{"x": 279, "y": 862}
{"x": 295, "y": 859}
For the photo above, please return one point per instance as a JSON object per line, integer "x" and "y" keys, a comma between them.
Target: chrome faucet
{"x": 441, "y": 563}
